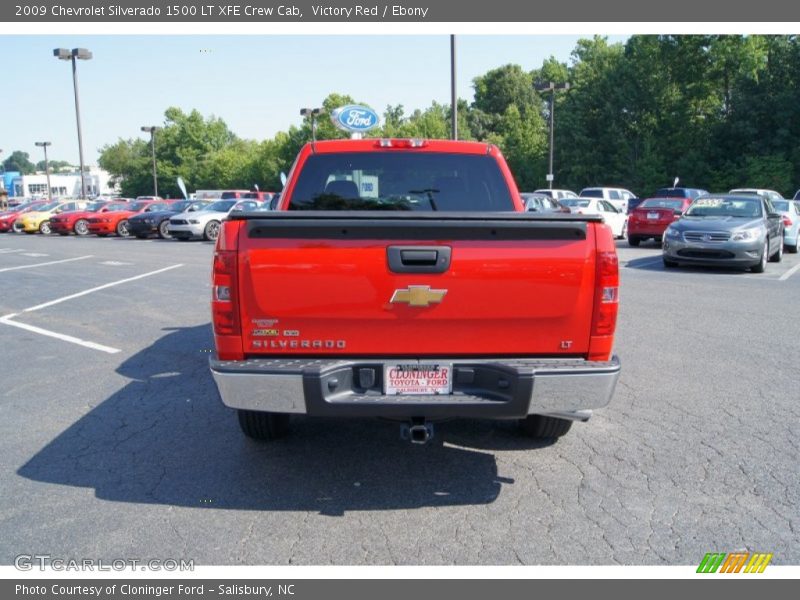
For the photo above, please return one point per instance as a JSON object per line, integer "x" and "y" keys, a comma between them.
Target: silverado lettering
{"x": 368, "y": 237}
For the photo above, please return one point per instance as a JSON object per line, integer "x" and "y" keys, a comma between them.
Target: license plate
{"x": 417, "y": 378}
{"x": 653, "y": 215}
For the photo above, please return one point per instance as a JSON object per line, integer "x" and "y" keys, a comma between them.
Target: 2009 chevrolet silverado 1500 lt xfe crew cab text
{"x": 401, "y": 279}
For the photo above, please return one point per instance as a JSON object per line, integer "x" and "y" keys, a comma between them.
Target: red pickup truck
{"x": 401, "y": 279}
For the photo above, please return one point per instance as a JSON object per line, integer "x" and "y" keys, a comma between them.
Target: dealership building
{"x": 61, "y": 184}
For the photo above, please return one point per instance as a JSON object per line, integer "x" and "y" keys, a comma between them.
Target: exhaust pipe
{"x": 417, "y": 432}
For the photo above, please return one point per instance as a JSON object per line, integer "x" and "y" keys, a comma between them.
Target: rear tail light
{"x": 787, "y": 221}
{"x": 224, "y": 305}
{"x": 604, "y": 320}
{"x": 606, "y": 297}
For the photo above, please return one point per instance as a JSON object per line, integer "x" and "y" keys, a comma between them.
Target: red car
{"x": 116, "y": 219}
{"x": 77, "y": 221}
{"x": 8, "y": 217}
{"x": 653, "y": 216}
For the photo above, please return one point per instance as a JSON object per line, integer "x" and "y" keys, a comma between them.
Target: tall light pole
{"x": 44, "y": 146}
{"x": 551, "y": 87}
{"x": 152, "y": 131}
{"x": 453, "y": 98}
{"x": 74, "y": 55}
{"x": 313, "y": 113}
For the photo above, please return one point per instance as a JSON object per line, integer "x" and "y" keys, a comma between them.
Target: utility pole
{"x": 551, "y": 87}
{"x": 44, "y": 145}
{"x": 152, "y": 131}
{"x": 453, "y": 96}
{"x": 73, "y": 55}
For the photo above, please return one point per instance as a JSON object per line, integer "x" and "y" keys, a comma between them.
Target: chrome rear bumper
{"x": 502, "y": 388}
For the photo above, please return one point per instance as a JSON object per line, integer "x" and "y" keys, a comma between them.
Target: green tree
{"x": 55, "y": 166}
{"x": 503, "y": 87}
{"x": 19, "y": 161}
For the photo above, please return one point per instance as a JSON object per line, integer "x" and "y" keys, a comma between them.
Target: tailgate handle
{"x": 418, "y": 259}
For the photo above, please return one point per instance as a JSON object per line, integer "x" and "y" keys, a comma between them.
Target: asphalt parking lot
{"x": 113, "y": 443}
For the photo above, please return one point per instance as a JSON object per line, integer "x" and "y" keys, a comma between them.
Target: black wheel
{"x": 44, "y": 228}
{"x": 761, "y": 265}
{"x": 163, "y": 230}
{"x": 541, "y": 427}
{"x": 669, "y": 264}
{"x": 211, "y": 232}
{"x": 778, "y": 256}
{"x": 634, "y": 241}
{"x": 81, "y": 227}
{"x": 263, "y": 426}
{"x": 122, "y": 228}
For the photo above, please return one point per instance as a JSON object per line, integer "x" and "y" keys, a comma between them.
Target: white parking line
{"x": 98, "y": 288}
{"x": 6, "y": 320}
{"x": 9, "y": 250}
{"x": 34, "y": 254}
{"x": 44, "y": 264}
{"x": 790, "y": 272}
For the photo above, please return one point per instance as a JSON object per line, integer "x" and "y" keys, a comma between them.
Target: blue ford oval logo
{"x": 355, "y": 118}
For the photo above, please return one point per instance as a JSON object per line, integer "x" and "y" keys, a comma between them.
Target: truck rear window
{"x": 421, "y": 181}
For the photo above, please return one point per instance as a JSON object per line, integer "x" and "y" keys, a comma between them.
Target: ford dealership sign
{"x": 353, "y": 118}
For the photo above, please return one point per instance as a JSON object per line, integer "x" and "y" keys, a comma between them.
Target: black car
{"x": 145, "y": 224}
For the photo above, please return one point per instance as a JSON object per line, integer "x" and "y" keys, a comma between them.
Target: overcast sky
{"x": 257, "y": 84}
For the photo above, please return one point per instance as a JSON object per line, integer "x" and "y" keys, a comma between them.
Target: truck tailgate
{"x": 416, "y": 285}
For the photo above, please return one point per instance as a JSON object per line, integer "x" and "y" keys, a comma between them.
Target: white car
{"x": 204, "y": 223}
{"x": 771, "y": 195}
{"x": 613, "y": 217}
{"x": 557, "y": 194}
{"x": 617, "y": 196}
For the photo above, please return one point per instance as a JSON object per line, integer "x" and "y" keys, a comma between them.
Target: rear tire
{"x": 44, "y": 228}
{"x": 634, "y": 241}
{"x": 263, "y": 426}
{"x": 544, "y": 428}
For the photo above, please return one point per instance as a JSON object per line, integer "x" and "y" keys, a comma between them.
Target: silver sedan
{"x": 743, "y": 231}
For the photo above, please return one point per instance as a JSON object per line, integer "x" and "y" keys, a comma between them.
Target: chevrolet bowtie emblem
{"x": 418, "y": 295}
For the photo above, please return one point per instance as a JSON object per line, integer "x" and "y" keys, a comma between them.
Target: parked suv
{"x": 556, "y": 194}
